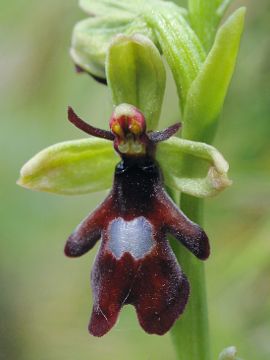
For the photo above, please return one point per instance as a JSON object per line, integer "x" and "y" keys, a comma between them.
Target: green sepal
{"x": 71, "y": 168}
{"x": 170, "y": 152}
{"x": 207, "y": 93}
{"x": 136, "y": 75}
{"x": 91, "y": 39}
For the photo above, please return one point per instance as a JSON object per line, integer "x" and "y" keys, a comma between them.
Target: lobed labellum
{"x": 135, "y": 264}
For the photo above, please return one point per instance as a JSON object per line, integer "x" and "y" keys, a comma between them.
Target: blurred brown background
{"x": 45, "y": 299}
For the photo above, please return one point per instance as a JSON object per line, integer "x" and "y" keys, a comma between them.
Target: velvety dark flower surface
{"x": 135, "y": 264}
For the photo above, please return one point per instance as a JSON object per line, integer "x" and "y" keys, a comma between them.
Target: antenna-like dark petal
{"x": 165, "y": 134}
{"x": 91, "y": 130}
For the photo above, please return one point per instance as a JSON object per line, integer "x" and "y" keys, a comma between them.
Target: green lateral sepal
{"x": 169, "y": 154}
{"x": 71, "y": 167}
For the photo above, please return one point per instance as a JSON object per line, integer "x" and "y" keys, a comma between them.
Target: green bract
{"x": 207, "y": 93}
{"x": 84, "y": 166}
{"x": 205, "y": 16}
{"x": 179, "y": 44}
{"x": 136, "y": 75}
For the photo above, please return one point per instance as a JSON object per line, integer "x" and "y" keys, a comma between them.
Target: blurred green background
{"x": 45, "y": 299}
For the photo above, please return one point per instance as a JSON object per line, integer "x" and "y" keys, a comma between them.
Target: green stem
{"x": 190, "y": 334}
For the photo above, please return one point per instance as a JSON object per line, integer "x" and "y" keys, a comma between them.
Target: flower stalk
{"x": 191, "y": 333}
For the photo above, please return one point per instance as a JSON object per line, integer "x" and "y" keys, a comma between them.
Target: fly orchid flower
{"x": 135, "y": 264}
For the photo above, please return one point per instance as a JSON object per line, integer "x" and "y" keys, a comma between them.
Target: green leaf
{"x": 71, "y": 168}
{"x": 169, "y": 154}
{"x": 136, "y": 75}
{"x": 92, "y": 37}
{"x": 207, "y": 93}
{"x": 179, "y": 44}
